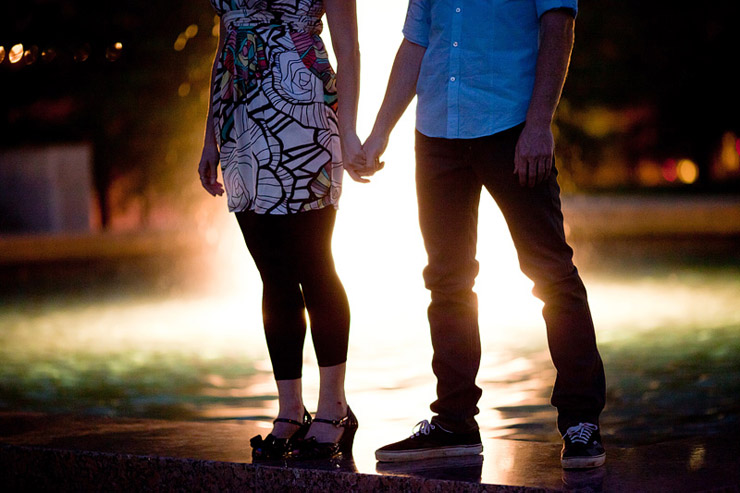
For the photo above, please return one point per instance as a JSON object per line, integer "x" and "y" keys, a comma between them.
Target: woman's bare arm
{"x": 208, "y": 166}
{"x": 342, "y": 17}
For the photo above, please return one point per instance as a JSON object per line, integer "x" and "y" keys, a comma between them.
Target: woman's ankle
{"x": 335, "y": 409}
{"x": 292, "y": 411}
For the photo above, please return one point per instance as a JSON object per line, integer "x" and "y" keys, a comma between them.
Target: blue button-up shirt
{"x": 478, "y": 71}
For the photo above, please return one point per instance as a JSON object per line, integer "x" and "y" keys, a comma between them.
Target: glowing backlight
{"x": 16, "y": 53}
{"x": 687, "y": 171}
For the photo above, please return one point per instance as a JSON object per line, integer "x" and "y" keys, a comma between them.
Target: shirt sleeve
{"x": 418, "y": 19}
{"x": 545, "y": 5}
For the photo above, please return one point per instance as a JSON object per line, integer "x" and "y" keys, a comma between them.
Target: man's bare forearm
{"x": 556, "y": 45}
{"x": 401, "y": 87}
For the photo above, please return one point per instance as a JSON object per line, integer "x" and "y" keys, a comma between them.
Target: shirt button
{"x": 454, "y": 44}
{"x": 452, "y": 79}
{"x": 457, "y": 10}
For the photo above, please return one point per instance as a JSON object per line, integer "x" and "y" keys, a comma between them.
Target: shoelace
{"x": 425, "y": 427}
{"x": 581, "y": 433}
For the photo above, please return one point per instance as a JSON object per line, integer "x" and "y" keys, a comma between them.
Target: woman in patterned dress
{"x": 281, "y": 135}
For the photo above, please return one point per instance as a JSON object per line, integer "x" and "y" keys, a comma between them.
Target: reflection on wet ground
{"x": 669, "y": 335}
{"x": 68, "y": 445}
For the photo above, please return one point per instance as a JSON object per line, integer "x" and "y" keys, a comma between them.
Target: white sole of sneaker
{"x": 419, "y": 454}
{"x": 583, "y": 462}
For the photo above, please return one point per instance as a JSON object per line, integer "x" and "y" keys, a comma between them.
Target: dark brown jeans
{"x": 450, "y": 174}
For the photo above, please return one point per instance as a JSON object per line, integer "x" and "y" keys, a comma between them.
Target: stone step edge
{"x": 28, "y": 468}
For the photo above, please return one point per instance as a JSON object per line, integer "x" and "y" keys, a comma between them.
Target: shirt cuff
{"x": 415, "y": 38}
{"x": 547, "y": 5}
{"x": 416, "y": 26}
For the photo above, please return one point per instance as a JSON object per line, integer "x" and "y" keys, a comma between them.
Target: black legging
{"x": 293, "y": 255}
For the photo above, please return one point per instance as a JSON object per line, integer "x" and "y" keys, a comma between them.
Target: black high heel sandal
{"x": 271, "y": 447}
{"x": 312, "y": 449}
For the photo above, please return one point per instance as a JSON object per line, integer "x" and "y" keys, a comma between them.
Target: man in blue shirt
{"x": 488, "y": 75}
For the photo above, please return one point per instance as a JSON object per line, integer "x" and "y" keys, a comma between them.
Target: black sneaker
{"x": 582, "y": 447}
{"x": 430, "y": 441}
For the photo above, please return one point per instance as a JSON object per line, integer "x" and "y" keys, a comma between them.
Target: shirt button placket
{"x": 453, "y": 92}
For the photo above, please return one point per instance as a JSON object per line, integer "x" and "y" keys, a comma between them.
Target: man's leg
{"x": 448, "y": 194}
{"x": 535, "y": 221}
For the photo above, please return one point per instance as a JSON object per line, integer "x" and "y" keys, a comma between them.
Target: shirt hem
{"x": 472, "y": 135}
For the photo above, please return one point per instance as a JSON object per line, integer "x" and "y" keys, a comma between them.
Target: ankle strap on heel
{"x": 348, "y": 420}
{"x": 306, "y": 419}
{"x": 336, "y": 422}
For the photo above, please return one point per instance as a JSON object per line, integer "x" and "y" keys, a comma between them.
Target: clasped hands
{"x": 363, "y": 160}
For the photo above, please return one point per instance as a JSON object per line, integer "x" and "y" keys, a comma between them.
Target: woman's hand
{"x": 208, "y": 170}
{"x": 374, "y": 147}
{"x": 353, "y": 156}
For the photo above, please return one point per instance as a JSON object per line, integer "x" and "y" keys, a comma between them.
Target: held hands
{"x": 208, "y": 170}
{"x": 369, "y": 163}
{"x": 534, "y": 154}
{"x": 353, "y": 156}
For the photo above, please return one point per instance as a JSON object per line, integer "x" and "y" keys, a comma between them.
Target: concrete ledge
{"x": 41, "y": 469}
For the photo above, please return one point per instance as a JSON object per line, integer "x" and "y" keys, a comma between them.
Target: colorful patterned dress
{"x": 274, "y": 108}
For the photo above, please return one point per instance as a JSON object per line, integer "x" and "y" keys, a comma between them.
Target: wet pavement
{"x": 710, "y": 463}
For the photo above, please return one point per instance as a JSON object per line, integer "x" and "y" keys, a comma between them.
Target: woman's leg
{"x": 328, "y": 311}
{"x": 290, "y": 401}
{"x": 267, "y": 238}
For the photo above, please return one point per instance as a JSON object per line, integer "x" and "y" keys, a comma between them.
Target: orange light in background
{"x": 180, "y": 43}
{"x": 2, "y": 54}
{"x": 730, "y": 152}
{"x": 669, "y": 170}
{"x": 191, "y": 31}
{"x": 82, "y": 53}
{"x": 727, "y": 159}
{"x": 649, "y": 173}
{"x": 688, "y": 171}
{"x": 48, "y": 55}
{"x": 114, "y": 51}
{"x": 16, "y": 53}
{"x": 184, "y": 89}
{"x": 31, "y": 55}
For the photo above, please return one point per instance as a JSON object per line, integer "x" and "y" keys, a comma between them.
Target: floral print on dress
{"x": 274, "y": 108}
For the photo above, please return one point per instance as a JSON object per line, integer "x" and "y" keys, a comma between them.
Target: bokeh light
{"x": 216, "y": 26}
{"x": 16, "y": 53}
{"x": 730, "y": 152}
{"x": 687, "y": 171}
{"x": 82, "y": 53}
{"x": 649, "y": 173}
{"x": 114, "y": 51}
{"x": 184, "y": 89}
{"x": 669, "y": 170}
{"x": 48, "y": 55}
{"x": 191, "y": 31}
{"x": 180, "y": 42}
{"x": 31, "y": 55}
{"x": 2, "y": 54}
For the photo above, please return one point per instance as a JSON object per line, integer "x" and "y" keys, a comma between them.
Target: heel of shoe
{"x": 348, "y": 437}
{"x": 347, "y": 440}
{"x": 311, "y": 449}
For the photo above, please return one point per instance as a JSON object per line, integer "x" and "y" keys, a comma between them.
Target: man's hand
{"x": 208, "y": 170}
{"x": 353, "y": 156}
{"x": 536, "y": 147}
{"x": 534, "y": 154}
{"x": 374, "y": 147}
